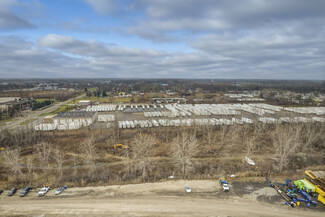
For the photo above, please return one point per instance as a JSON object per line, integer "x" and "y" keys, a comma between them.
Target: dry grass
{"x": 223, "y": 157}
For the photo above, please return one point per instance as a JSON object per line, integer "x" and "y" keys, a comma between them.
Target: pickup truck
{"x": 43, "y": 191}
{"x": 224, "y": 185}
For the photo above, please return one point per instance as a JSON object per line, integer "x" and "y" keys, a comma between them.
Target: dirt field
{"x": 157, "y": 199}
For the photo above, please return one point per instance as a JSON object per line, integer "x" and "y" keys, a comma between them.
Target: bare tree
{"x": 30, "y": 171}
{"x": 59, "y": 158}
{"x": 88, "y": 149}
{"x": 142, "y": 151}
{"x": 127, "y": 161}
{"x": 249, "y": 145}
{"x": 43, "y": 151}
{"x": 223, "y": 132}
{"x": 211, "y": 137}
{"x": 25, "y": 135}
{"x": 286, "y": 140}
{"x": 311, "y": 133}
{"x": 74, "y": 161}
{"x": 259, "y": 129}
{"x": 184, "y": 148}
{"x": 12, "y": 159}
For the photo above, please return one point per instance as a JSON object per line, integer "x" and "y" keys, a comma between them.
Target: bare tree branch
{"x": 88, "y": 149}
{"x": 59, "y": 158}
{"x": 43, "y": 151}
{"x": 12, "y": 159}
{"x": 142, "y": 151}
{"x": 184, "y": 147}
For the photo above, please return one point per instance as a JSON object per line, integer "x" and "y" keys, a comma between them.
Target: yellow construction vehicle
{"x": 116, "y": 146}
{"x": 317, "y": 179}
{"x": 2, "y": 148}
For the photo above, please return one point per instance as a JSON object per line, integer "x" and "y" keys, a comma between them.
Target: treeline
{"x": 209, "y": 86}
{"x": 59, "y": 95}
{"x": 40, "y": 104}
{"x": 95, "y": 93}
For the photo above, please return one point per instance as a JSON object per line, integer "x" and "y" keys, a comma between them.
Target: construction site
{"x": 175, "y": 156}
{"x": 272, "y": 155}
{"x": 307, "y": 192}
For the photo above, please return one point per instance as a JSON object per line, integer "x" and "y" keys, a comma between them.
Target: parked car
{"x": 224, "y": 185}
{"x": 12, "y": 191}
{"x": 24, "y": 191}
{"x": 188, "y": 189}
{"x": 59, "y": 190}
{"x": 1, "y": 191}
{"x": 43, "y": 191}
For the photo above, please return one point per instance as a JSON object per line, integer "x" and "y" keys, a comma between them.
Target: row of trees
{"x": 138, "y": 160}
{"x": 95, "y": 93}
{"x": 36, "y": 105}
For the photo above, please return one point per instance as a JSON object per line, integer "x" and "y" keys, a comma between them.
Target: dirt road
{"x": 147, "y": 206}
{"x": 150, "y": 199}
{"x": 32, "y": 115}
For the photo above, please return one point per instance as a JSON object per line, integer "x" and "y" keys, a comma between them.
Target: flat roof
{"x": 75, "y": 114}
{"x": 8, "y": 99}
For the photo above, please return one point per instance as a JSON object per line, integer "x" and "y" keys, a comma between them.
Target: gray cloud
{"x": 103, "y": 6}
{"x": 65, "y": 56}
{"x": 227, "y": 38}
{"x": 161, "y": 18}
{"x": 234, "y": 12}
{"x": 91, "y": 48}
{"x": 9, "y": 20}
{"x": 118, "y": 8}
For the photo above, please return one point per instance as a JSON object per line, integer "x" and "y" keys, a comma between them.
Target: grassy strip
{"x": 116, "y": 100}
{"x": 4, "y": 121}
{"x": 27, "y": 121}
{"x": 64, "y": 108}
{"x": 94, "y": 99}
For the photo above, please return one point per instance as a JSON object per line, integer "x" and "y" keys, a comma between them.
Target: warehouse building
{"x": 84, "y": 103}
{"x": 67, "y": 121}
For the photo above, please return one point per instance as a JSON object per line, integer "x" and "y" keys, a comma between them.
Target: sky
{"x": 210, "y": 39}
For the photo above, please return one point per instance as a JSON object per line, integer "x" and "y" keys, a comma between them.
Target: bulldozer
{"x": 116, "y": 146}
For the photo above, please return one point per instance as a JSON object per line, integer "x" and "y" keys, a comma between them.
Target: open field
{"x": 157, "y": 199}
{"x": 63, "y": 108}
{"x": 94, "y": 99}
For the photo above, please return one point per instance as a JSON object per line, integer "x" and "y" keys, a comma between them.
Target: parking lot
{"x": 155, "y": 199}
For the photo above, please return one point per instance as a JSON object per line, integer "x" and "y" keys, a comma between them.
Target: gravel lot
{"x": 157, "y": 199}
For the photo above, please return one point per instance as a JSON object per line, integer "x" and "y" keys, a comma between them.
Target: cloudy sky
{"x": 241, "y": 39}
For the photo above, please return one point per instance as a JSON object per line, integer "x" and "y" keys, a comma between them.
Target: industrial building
{"x": 84, "y": 102}
{"x": 67, "y": 121}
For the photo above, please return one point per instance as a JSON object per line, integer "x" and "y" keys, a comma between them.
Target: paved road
{"x": 36, "y": 114}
